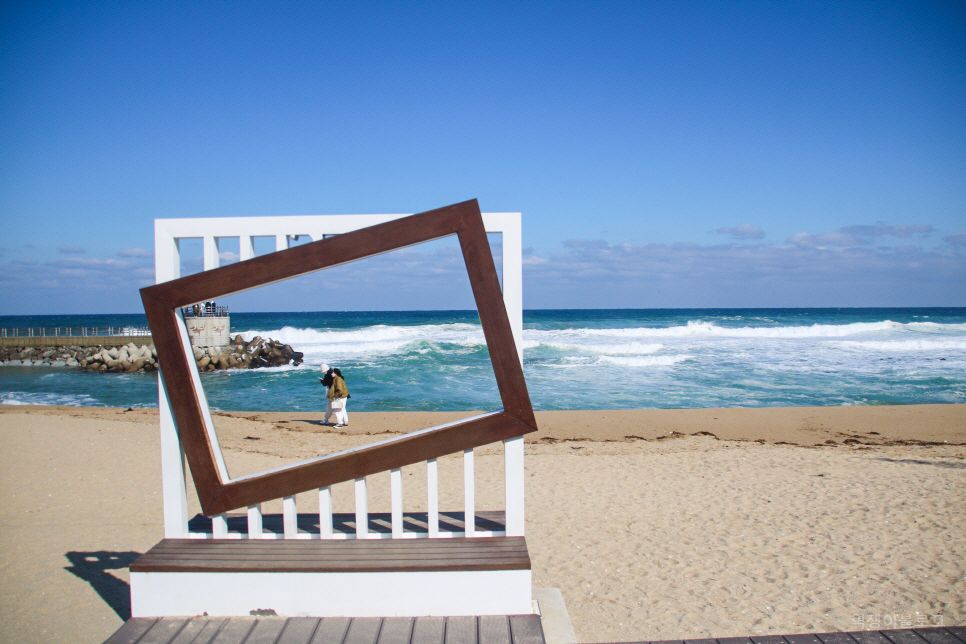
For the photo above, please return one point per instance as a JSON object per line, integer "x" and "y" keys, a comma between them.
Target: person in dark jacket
{"x": 338, "y": 395}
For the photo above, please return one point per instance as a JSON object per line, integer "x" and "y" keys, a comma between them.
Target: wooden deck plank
{"x": 768, "y": 639}
{"x": 331, "y": 630}
{"x": 298, "y": 630}
{"x": 869, "y": 637}
{"x": 937, "y": 636}
{"x": 526, "y": 629}
{"x": 461, "y": 630}
{"x": 429, "y": 630}
{"x": 234, "y": 631}
{"x": 164, "y": 630}
{"x": 396, "y": 630}
{"x": 802, "y": 638}
{"x": 958, "y": 631}
{"x": 266, "y": 630}
{"x": 363, "y": 630}
{"x": 494, "y": 629}
{"x": 904, "y": 636}
{"x": 737, "y": 640}
{"x": 835, "y": 638}
{"x": 200, "y": 630}
{"x": 701, "y": 641}
{"x": 132, "y": 630}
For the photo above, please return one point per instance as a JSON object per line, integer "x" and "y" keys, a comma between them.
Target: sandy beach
{"x": 654, "y": 524}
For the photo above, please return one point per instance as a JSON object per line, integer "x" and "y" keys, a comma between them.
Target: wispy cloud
{"x": 959, "y": 239}
{"x": 859, "y": 235}
{"x": 134, "y": 252}
{"x": 883, "y": 230}
{"x": 831, "y": 269}
{"x": 70, "y": 250}
{"x": 743, "y": 231}
{"x": 825, "y": 240}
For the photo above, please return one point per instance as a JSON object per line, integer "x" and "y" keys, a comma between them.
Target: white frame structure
{"x": 167, "y": 236}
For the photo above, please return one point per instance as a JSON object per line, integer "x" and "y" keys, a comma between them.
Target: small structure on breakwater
{"x": 208, "y": 324}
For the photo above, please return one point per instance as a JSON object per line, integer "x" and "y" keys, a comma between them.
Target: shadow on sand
{"x": 92, "y": 567}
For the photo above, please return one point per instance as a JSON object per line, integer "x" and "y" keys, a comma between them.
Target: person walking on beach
{"x": 338, "y": 395}
{"x": 326, "y": 381}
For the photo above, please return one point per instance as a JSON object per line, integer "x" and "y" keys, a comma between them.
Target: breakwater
{"x": 130, "y": 357}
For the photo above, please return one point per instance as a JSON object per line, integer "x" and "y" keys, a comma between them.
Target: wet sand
{"x": 655, "y": 524}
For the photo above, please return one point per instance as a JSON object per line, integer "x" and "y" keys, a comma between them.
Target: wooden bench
{"x": 324, "y": 577}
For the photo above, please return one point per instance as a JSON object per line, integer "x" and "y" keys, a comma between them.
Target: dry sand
{"x": 654, "y": 524}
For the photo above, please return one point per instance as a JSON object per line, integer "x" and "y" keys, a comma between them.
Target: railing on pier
{"x": 74, "y": 331}
{"x": 205, "y": 312}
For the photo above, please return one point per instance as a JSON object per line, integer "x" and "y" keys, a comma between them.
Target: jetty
{"x": 86, "y": 336}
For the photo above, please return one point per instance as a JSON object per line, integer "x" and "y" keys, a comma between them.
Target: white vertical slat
{"x": 325, "y": 513}
{"x": 210, "y": 253}
{"x": 395, "y": 488}
{"x": 219, "y": 526}
{"x": 281, "y": 242}
{"x": 255, "y": 522}
{"x": 362, "y": 509}
{"x": 513, "y": 485}
{"x": 246, "y": 247}
{"x": 469, "y": 494}
{"x": 290, "y": 517}
{"x": 172, "y": 471}
{"x": 432, "y": 497}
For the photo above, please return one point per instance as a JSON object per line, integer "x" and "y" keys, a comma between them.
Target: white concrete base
{"x": 332, "y": 594}
{"x": 557, "y": 628}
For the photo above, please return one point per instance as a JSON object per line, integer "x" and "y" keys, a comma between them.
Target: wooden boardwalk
{"x": 490, "y": 629}
{"x": 936, "y": 635}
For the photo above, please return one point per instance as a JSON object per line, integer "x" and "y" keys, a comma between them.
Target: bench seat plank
{"x": 363, "y": 555}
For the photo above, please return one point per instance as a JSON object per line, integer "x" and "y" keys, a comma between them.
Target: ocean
{"x": 573, "y": 359}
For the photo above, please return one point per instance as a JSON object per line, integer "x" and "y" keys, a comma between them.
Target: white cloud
{"x": 743, "y": 231}
{"x": 134, "y": 252}
{"x": 858, "y": 235}
{"x": 825, "y": 240}
{"x": 70, "y": 250}
{"x": 883, "y": 230}
{"x": 594, "y": 273}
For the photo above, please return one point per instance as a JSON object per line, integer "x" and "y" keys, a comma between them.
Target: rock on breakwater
{"x": 132, "y": 358}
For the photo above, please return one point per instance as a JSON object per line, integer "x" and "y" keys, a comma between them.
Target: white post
{"x": 219, "y": 526}
{"x": 395, "y": 487}
{"x": 210, "y": 253}
{"x": 290, "y": 517}
{"x": 432, "y": 497}
{"x": 469, "y": 494}
{"x": 325, "y": 513}
{"x": 255, "y": 522}
{"x": 362, "y": 509}
{"x": 513, "y": 485}
{"x": 172, "y": 472}
{"x": 246, "y": 247}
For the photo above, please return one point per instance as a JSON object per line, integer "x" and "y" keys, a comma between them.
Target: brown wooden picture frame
{"x": 179, "y": 372}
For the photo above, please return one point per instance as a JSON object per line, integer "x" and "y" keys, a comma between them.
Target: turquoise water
{"x": 573, "y": 359}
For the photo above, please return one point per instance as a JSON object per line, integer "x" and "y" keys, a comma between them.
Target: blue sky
{"x": 663, "y": 154}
